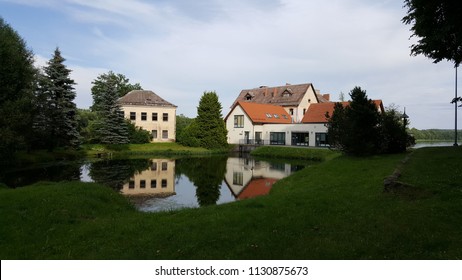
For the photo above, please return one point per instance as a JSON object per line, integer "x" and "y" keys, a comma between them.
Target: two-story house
{"x": 150, "y": 112}
{"x": 295, "y": 99}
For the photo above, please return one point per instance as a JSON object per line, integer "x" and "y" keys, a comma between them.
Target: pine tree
{"x": 211, "y": 128}
{"x": 57, "y": 119}
{"x": 111, "y": 126}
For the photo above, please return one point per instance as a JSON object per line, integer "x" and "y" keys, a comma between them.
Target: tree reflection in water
{"x": 116, "y": 172}
{"x": 206, "y": 174}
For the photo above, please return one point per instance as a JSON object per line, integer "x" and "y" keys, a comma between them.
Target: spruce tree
{"x": 211, "y": 128}
{"x": 57, "y": 119}
{"x": 111, "y": 126}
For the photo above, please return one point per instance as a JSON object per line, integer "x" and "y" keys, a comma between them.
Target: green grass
{"x": 294, "y": 153}
{"x": 165, "y": 149}
{"x": 333, "y": 210}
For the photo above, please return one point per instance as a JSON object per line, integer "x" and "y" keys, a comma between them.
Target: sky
{"x": 181, "y": 48}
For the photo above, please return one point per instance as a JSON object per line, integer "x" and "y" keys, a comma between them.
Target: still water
{"x": 166, "y": 184}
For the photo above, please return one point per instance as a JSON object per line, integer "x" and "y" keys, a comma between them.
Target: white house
{"x": 263, "y": 124}
{"x": 295, "y": 99}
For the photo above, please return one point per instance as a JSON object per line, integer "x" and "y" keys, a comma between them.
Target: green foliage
{"x": 435, "y": 134}
{"x": 359, "y": 129}
{"x": 86, "y": 125}
{"x": 137, "y": 135}
{"x": 209, "y": 127}
{"x": 118, "y": 81}
{"x": 110, "y": 126}
{"x": 17, "y": 76}
{"x": 393, "y": 135}
{"x": 55, "y": 124}
{"x": 438, "y": 25}
{"x": 354, "y": 129}
{"x": 182, "y": 122}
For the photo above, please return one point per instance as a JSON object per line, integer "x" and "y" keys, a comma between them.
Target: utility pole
{"x": 455, "y": 113}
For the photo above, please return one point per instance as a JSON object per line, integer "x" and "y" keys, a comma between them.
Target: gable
{"x": 263, "y": 113}
{"x": 288, "y": 95}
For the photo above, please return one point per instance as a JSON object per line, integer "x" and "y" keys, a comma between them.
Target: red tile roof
{"x": 264, "y": 113}
{"x": 317, "y": 112}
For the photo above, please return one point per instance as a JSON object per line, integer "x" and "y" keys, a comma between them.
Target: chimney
{"x": 326, "y": 96}
{"x": 266, "y": 91}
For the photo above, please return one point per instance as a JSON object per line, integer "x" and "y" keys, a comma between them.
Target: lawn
{"x": 336, "y": 209}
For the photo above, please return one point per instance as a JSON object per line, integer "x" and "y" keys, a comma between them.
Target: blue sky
{"x": 180, "y": 48}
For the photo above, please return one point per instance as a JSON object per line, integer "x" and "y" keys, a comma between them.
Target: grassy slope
{"x": 334, "y": 210}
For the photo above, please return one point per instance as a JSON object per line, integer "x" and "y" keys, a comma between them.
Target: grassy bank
{"x": 294, "y": 153}
{"x": 164, "y": 149}
{"x": 333, "y": 210}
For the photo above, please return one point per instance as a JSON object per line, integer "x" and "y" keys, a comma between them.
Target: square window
{"x": 154, "y": 117}
{"x": 164, "y": 183}
{"x": 165, "y": 117}
{"x": 131, "y": 184}
{"x": 133, "y": 116}
{"x": 164, "y": 134}
{"x": 153, "y": 184}
{"x": 164, "y": 166}
{"x": 154, "y": 134}
{"x": 142, "y": 184}
{"x": 144, "y": 116}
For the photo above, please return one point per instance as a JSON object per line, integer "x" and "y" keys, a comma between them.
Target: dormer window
{"x": 248, "y": 96}
{"x": 276, "y": 116}
{"x": 268, "y": 115}
{"x": 287, "y": 93}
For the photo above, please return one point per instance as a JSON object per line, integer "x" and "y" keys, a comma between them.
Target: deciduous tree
{"x": 119, "y": 82}
{"x": 17, "y": 76}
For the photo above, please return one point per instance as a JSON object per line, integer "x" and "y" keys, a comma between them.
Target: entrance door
{"x": 246, "y": 137}
{"x": 258, "y": 138}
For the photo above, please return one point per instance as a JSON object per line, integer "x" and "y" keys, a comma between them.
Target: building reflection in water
{"x": 247, "y": 177}
{"x": 156, "y": 181}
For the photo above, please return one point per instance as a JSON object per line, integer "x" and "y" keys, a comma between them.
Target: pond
{"x": 160, "y": 184}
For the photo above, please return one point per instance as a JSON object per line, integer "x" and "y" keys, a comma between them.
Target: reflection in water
{"x": 165, "y": 184}
{"x": 206, "y": 174}
{"x": 247, "y": 177}
{"x": 115, "y": 173}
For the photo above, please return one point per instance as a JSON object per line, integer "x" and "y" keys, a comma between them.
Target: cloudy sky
{"x": 181, "y": 48}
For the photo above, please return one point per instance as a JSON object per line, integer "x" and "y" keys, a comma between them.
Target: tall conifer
{"x": 57, "y": 118}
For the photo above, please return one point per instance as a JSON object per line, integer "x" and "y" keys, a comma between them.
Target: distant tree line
{"x": 435, "y": 134}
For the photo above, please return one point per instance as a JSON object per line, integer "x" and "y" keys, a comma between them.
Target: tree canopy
{"x": 359, "y": 128}
{"x": 119, "y": 82}
{"x": 17, "y": 76}
{"x": 438, "y": 26}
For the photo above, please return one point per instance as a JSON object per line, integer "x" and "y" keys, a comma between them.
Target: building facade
{"x": 147, "y": 110}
